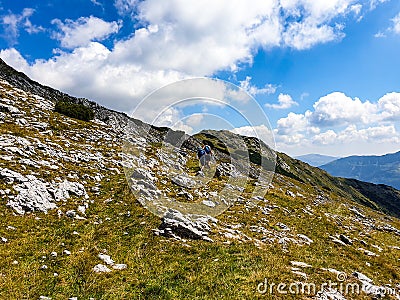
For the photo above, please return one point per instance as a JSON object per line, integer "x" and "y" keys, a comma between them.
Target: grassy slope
{"x": 166, "y": 269}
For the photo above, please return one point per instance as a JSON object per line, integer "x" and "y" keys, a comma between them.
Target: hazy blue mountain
{"x": 316, "y": 160}
{"x": 383, "y": 169}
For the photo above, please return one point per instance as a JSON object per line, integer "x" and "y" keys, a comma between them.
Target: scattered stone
{"x": 300, "y": 264}
{"x": 4, "y": 240}
{"x": 360, "y": 276}
{"x": 71, "y": 214}
{"x": 329, "y": 294}
{"x": 208, "y": 203}
{"x": 334, "y": 271}
{"x": 226, "y": 169}
{"x": 367, "y": 252}
{"x": 290, "y": 193}
{"x": 357, "y": 212}
{"x": 337, "y": 241}
{"x": 389, "y": 228}
{"x": 9, "y": 108}
{"x": 305, "y": 238}
{"x": 175, "y": 224}
{"x": 99, "y": 268}
{"x": 141, "y": 173}
{"x": 33, "y": 196}
{"x": 378, "y": 248}
{"x": 302, "y": 274}
{"x": 66, "y": 252}
{"x": 184, "y": 180}
{"x": 345, "y": 239}
{"x": 119, "y": 266}
{"x": 186, "y": 194}
{"x": 10, "y": 176}
{"x": 106, "y": 259}
{"x": 283, "y": 227}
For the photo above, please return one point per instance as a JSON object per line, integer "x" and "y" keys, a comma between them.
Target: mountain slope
{"x": 383, "y": 169}
{"x": 316, "y": 160}
{"x": 71, "y": 226}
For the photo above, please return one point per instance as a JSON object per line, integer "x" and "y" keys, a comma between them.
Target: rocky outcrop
{"x": 175, "y": 224}
{"x": 37, "y": 195}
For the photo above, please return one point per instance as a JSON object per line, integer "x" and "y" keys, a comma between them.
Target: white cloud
{"x": 389, "y": 107}
{"x": 326, "y": 138}
{"x": 194, "y": 120}
{"x": 95, "y": 2}
{"x": 304, "y": 35}
{"x": 125, "y": 7}
{"x": 260, "y": 131}
{"x": 394, "y": 28}
{"x": 380, "y": 34}
{"x": 285, "y": 101}
{"x": 12, "y": 23}
{"x": 178, "y": 39}
{"x": 81, "y": 32}
{"x": 253, "y": 90}
{"x": 338, "y": 109}
{"x": 356, "y": 8}
{"x": 374, "y": 3}
{"x": 172, "y": 118}
{"x": 374, "y": 135}
{"x": 338, "y": 120}
{"x": 396, "y": 23}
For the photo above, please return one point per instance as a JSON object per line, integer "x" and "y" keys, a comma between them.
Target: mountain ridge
{"x": 316, "y": 160}
{"x": 382, "y": 169}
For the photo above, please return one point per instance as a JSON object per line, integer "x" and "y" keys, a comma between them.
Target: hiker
{"x": 201, "y": 154}
{"x": 207, "y": 150}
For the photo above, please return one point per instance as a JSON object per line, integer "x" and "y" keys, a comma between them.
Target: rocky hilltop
{"x": 73, "y": 225}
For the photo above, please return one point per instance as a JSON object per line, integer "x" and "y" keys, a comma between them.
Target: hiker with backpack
{"x": 201, "y": 154}
{"x": 207, "y": 150}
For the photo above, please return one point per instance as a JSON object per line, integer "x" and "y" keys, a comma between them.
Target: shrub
{"x": 74, "y": 110}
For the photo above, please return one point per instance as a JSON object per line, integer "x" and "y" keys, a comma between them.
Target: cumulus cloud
{"x": 194, "y": 120}
{"x": 125, "y": 7}
{"x": 177, "y": 39}
{"x": 351, "y": 134}
{"x": 261, "y": 131}
{"x": 253, "y": 90}
{"x": 284, "y": 102}
{"x": 338, "y": 109}
{"x": 12, "y": 23}
{"x": 337, "y": 119}
{"x": 304, "y": 35}
{"x": 73, "y": 34}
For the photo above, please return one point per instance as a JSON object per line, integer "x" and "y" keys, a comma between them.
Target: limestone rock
{"x": 99, "y": 268}
{"x": 175, "y": 224}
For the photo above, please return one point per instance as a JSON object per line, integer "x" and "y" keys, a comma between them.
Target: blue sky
{"x": 326, "y": 73}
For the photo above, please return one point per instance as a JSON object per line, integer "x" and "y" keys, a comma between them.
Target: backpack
{"x": 207, "y": 149}
{"x": 200, "y": 153}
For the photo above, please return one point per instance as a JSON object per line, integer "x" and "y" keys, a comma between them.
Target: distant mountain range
{"x": 316, "y": 160}
{"x": 383, "y": 169}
